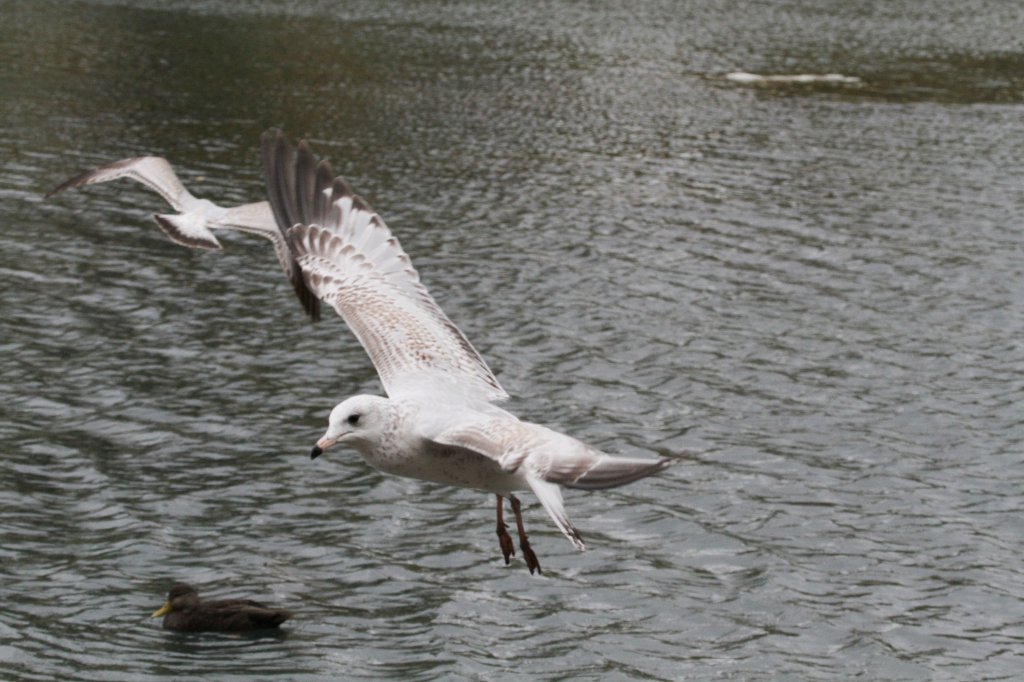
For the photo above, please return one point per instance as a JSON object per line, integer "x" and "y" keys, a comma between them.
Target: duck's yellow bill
{"x": 166, "y": 608}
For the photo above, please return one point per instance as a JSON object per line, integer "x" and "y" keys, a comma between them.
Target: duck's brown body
{"x": 186, "y": 612}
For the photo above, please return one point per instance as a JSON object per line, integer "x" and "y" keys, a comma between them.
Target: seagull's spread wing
{"x": 351, "y": 260}
{"x": 152, "y": 171}
{"x": 192, "y": 225}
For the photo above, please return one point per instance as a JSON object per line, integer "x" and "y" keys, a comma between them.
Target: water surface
{"x": 818, "y": 288}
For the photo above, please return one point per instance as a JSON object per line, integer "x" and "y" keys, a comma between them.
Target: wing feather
{"x": 406, "y": 334}
{"x": 152, "y": 171}
{"x": 350, "y": 259}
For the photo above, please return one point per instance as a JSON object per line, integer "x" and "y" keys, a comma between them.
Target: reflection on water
{"x": 816, "y": 287}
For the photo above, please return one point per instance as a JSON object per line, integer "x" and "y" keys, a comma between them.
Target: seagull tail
{"x": 188, "y": 229}
{"x": 610, "y": 472}
{"x": 550, "y": 497}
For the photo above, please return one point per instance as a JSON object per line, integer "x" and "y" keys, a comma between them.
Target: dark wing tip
{"x": 74, "y": 182}
{"x": 360, "y": 204}
{"x": 59, "y": 188}
{"x": 310, "y": 303}
{"x": 270, "y": 136}
{"x": 94, "y": 175}
{"x": 291, "y": 178}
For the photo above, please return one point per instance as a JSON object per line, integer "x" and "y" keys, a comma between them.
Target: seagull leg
{"x": 531, "y": 559}
{"x": 504, "y": 539}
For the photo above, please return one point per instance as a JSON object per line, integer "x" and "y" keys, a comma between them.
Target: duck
{"x": 184, "y": 611}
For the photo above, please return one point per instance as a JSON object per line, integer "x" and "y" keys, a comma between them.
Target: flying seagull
{"x": 440, "y": 420}
{"x": 196, "y": 218}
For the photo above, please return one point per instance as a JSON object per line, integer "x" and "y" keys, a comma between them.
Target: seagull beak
{"x": 166, "y": 608}
{"x": 322, "y": 445}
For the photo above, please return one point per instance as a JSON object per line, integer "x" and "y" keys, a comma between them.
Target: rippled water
{"x": 816, "y": 287}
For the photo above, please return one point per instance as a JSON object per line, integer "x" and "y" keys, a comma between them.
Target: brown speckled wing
{"x": 350, "y": 259}
{"x": 358, "y": 267}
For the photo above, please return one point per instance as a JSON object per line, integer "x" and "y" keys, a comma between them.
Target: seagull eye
{"x": 353, "y": 419}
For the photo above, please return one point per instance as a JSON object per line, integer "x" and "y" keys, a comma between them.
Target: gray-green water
{"x": 819, "y": 288}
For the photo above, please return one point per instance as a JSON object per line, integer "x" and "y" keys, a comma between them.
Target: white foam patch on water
{"x": 746, "y": 78}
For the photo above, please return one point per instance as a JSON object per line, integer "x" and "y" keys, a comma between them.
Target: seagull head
{"x": 360, "y": 421}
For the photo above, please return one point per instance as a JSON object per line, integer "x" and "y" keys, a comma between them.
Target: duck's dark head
{"x": 180, "y": 597}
